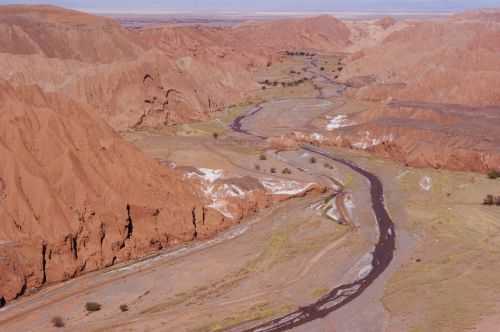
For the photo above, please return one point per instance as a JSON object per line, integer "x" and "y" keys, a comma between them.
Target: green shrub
{"x": 492, "y": 200}
{"x": 92, "y": 306}
{"x": 494, "y": 174}
{"x": 488, "y": 200}
{"x": 57, "y": 322}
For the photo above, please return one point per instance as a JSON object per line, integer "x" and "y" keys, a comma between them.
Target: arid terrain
{"x": 236, "y": 174}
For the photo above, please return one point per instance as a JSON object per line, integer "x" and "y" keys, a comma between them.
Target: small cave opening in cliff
{"x": 130, "y": 225}
{"x": 195, "y": 234}
{"x": 74, "y": 246}
{"x": 44, "y": 263}
{"x": 147, "y": 77}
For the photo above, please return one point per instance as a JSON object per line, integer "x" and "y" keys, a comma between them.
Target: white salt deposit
{"x": 338, "y": 121}
{"x": 426, "y": 183}
{"x": 284, "y": 187}
{"x": 217, "y": 194}
{"x": 368, "y": 141}
{"x": 222, "y": 207}
{"x": 317, "y": 137}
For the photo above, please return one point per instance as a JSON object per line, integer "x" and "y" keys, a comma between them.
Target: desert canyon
{"x": 291, "y": 173}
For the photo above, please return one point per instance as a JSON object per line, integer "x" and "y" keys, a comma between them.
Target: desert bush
{"x": 264, "y": 87}
{"x": 497, "y": 201}
{"x": 489, "y": 200}
{"x": 313, "y": 160}
{"x": 215, "y": 135}
{"x": 328, "y": 166}
{"x": 57, "y": 321}
{"x": 322, "y": 68}
{"x": 494, "y": 174}
{"x": 124, "y": 308}
{"x": 92, "y": 306}
{"x": 263, "y": 157}
{"x": 257, "y": 167}
{"x": 286, "y": 171}
{"x": 273, "y": 170}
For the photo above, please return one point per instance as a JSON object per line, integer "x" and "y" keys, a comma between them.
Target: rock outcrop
{"x": 451, "y": 61}
{"x": 151, "y": 77}
{"x": 418, "y": 134}
{"x": 386, "y": 22}
{"x": 434, "y": 91}
{"x": 74, "y": 196}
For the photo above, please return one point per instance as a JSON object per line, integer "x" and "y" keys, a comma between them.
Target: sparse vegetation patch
{"x": 300, "y": 53}
{"x": 494, "y": 174}
{"x": 492, "y": 200}
{"x": 283, "y": 83}
{"x": 92, "y": 306}
{"x": 57, "y": 321}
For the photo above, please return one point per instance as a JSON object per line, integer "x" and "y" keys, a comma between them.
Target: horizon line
{"x": 269, "y": 12}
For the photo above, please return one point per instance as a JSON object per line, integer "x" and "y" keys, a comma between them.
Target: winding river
{"x": 382, "y": 254}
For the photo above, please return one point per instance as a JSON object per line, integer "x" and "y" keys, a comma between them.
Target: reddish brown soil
{"x": 449, "y": 61}
{"x": 74, "y": 196}
{"x": 427, "y": 135}
{"x": 386, "y": 22}
{"x": 153, "y": 77}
